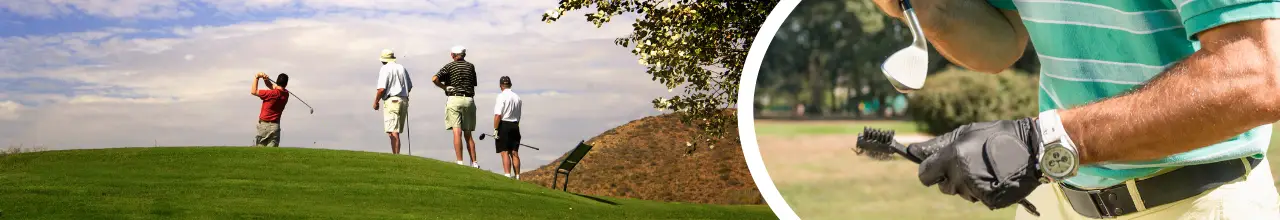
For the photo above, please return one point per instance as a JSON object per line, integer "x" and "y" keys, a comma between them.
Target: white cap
{"x": 458, "y": 49}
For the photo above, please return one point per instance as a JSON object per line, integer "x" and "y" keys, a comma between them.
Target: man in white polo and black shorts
{"x": 506, "y": 125}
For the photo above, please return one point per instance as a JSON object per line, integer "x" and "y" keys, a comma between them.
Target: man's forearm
{"x": 1207, "y": 98}
{"x": 436, "y": 80}
{"x": 378, "y": 96}
{"x": 255, "y": 86}
{"x": 972, "y": 33}
{"x": 496, "y": 119}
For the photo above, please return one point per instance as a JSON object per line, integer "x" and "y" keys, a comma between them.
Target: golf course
{"x": 296, "y": 183}
{"x": 820, "y": 177}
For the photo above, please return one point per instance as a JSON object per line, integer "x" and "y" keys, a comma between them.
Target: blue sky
{"x": 88, "y": 74}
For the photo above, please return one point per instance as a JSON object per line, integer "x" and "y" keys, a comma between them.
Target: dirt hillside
{"x": 646, "y": 159}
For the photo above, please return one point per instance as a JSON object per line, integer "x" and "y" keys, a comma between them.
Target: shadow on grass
{"x": 597, "y": 199}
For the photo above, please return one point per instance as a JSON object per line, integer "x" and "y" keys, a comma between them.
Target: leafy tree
{"x": 699, "y": 46}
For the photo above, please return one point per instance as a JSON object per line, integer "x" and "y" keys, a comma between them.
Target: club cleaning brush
{"x": 879, "y": 144}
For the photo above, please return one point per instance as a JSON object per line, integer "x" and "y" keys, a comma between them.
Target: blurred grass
{"x": 789, "y": 128}
{"x": 881, "y": 197}
{"x": 875, "y": 190}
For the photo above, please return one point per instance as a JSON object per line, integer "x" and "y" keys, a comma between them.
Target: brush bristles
{"x": 875, "y": 143}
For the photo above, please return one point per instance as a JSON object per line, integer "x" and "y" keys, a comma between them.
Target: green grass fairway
{"x": 295, "y": 183}
{"x": 785, "y": 128}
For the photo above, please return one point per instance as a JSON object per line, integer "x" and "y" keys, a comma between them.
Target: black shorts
{"x": 508, "y": 136}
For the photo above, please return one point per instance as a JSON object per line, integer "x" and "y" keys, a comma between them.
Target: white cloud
{"x": 9, "y": 110}
{"x": 149, "y": 9}
{"x": 86, "y": 99}
{"x": 189, "y": 57}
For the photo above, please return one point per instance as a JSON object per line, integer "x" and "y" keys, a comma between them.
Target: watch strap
{"x": 1051, "y": 131}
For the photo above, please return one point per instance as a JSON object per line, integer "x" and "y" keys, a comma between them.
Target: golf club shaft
{"x": 525, "y": 145}
{"x": 294, "y": 95}
{"x": 408, "y": 136}
{"x": 530, "y": 146}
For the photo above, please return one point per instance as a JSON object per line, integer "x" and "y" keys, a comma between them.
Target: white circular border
{"x": 746, "y": 113}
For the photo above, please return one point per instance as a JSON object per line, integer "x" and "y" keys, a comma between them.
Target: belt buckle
{"x": 1100, "y": 203}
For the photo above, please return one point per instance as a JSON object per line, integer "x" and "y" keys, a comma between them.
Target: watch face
{"x": 1058, "y": 161}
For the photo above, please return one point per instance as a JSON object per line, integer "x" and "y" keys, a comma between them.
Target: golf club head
{"x": 482, "y": 136}
{"x": 907, "y": 68}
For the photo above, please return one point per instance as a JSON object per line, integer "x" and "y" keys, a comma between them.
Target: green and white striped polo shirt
{"x": 1090, "y": 50}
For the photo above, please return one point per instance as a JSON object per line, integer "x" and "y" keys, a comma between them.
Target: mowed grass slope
{"x": 820, "y": 178}
{"x": 295, "y": 183}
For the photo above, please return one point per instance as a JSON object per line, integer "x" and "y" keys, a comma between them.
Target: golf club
{"x": 907, "y": 68}
{"x": 483, "y": 134}
{"x": 879, "y": 144}
{"x": 408, "y": 137}
{"x": 313, "y": 110}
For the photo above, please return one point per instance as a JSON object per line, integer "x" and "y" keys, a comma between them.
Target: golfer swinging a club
{"x": 273, "y": 102}
{"x": 394, "y": 86}
{"x": 1149, "y": 109}
{"x": 458, "y": 79}
{"x": 506, "y": 125}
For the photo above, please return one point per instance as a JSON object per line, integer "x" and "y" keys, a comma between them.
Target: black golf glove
{"x": 992, "y": 162}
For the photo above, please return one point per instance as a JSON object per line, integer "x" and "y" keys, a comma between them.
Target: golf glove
{"x": 495, "y": 134}
{"x": 992, "y": 162}
{"x": 449, "y": 89}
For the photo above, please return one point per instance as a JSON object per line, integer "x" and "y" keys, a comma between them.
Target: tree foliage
{"x": 697, "y": 46}
{"x": 958, "y": 97}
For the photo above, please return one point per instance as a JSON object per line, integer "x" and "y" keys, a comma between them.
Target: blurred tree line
{"x": 827, "y": 55}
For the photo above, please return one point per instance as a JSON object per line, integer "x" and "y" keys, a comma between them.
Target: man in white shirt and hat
{"x": 393, "y": 93}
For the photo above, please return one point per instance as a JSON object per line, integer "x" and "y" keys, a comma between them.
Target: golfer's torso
{"x": 396, "y": 80}
{"x": 508, "y": 106}
{"x": 1096, "y": 49}
{"x": 462, "y": 76}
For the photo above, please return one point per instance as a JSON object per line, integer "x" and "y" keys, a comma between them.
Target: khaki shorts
{"x": 395, "y": 111}
{"x": 460, "y": 112}
{"x": 268, "y": 134}
{"x": 1251, "y": 197}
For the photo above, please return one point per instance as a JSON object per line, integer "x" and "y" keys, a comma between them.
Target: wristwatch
{"x": 1058, "y": 158}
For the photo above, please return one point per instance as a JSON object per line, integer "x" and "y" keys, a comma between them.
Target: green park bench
{"x": 569, "y": 162}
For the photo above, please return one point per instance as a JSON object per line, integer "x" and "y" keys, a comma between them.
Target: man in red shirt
{"x": 273, "y": 101}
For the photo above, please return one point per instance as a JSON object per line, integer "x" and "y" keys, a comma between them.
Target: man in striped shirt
{"x": 1153, "y": 109}
{"x": 458, "y": 79}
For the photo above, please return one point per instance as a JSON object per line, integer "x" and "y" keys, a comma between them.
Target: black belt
{"x": 1185, "y": 182}
{"x": 460, "y": 94}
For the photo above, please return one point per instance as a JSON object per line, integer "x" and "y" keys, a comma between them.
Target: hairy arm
{"x": 970, "y": 33}
{"x": 1228, "y": 87}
